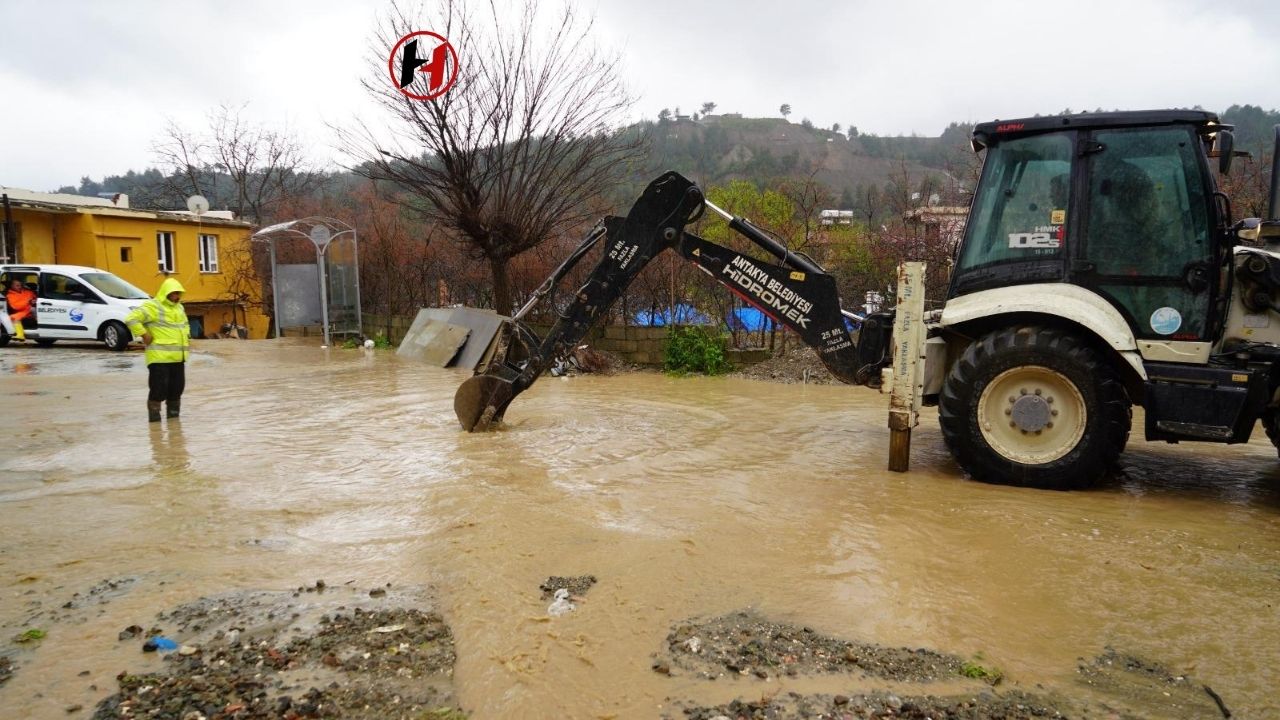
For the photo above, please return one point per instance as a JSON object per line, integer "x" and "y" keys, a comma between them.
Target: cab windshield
{"x": 112, "y": 286}
{"x": 1020, "y": 212}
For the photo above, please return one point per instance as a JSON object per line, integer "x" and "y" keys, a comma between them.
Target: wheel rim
{"x": 1032, "y": 415}
{"x": 112, "y": 335}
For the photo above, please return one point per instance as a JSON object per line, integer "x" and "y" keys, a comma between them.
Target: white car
{"x": 73, "y": 302}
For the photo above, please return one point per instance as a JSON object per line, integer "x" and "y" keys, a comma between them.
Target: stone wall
{"x": 638, "y": 345}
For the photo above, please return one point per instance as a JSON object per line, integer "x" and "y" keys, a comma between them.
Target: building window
{"x": 164, "y": 251}
{"x": 11, "y": 245}
{"x": 208, "y": 253}
{"x": 126, "y": 254}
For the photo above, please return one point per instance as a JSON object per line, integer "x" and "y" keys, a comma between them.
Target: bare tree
{"x": 810, "y": 197}
{"x": 237, "y": 164}
{"x": 520, "y": 147}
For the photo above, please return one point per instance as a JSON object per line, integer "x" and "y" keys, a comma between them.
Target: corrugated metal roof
{"x": 64, "y": 203}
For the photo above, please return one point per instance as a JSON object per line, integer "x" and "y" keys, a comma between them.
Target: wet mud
{"x": 254, "y": 655}
{"x": 744, "y": 643}
{"x": 793, "y": 706}
{"x": 747, "y": 646}
{"x": 577, "y": 586}
{"x": 685, "y": 499}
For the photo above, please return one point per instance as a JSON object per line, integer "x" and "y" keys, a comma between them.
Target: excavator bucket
{"x": 504, "y": 370}
{"x": 481, "y": 400}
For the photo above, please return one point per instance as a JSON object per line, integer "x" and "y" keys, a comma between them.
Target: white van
{"x": 72, "y": 303}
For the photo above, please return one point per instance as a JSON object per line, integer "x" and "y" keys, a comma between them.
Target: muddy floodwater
{"x": 685, "y": 498}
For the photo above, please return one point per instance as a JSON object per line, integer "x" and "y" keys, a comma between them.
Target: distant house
{"x": 835, "y": 217}
{"x": 207, "y": 253}
{"x": 713, "y": 119}
{"x": 942, "y": 222}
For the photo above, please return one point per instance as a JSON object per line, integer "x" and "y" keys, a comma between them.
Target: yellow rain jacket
{"x": 167, "y": 323}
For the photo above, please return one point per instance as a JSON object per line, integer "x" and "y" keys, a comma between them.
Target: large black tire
{"x": 46, "y": 342}
{"x": 1271, "y": 423}
{"x": 116, "y": 335}
{"x": 1035, "y": 407}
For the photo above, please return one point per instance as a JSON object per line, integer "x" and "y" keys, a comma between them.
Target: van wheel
{"x": 1035, "y": 407}
{"x": 45, "y": 342}
{"x": 116, "y": 335}
{"x": 4, "y": 337}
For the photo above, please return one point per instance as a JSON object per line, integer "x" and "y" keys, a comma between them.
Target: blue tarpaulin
{"x": 683, "y": 315}
{"x": 747, "y": 318}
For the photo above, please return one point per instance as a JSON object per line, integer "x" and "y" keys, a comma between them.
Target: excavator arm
{"x": 795, "y": 292}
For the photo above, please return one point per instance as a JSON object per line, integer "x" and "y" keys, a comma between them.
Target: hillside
{"x": 720, "y": 148}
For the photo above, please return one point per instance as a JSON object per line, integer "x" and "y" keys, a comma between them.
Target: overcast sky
{"x": 88, "y": 86}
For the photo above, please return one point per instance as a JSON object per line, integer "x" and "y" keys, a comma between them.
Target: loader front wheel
{"x": 1271, "y": 423}
{"x": 1035, "y": 407}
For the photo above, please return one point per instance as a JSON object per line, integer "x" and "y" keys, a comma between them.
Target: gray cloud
{"x": 94, "y": 82}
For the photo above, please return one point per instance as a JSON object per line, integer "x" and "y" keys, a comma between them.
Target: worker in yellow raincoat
{"x": 161, "y": 322}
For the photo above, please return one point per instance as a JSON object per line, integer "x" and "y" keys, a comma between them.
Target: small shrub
{"x": 972, "y": 669}
{"x": 696, "y": 350}
{"x": 382, "y": 341}
{"x": 31, "y": 635}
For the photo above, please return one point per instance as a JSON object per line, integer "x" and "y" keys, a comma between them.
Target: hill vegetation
{"x": 780, "y": 173}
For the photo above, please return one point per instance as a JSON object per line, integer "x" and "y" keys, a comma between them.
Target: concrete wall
{"x": 639, "y": 345}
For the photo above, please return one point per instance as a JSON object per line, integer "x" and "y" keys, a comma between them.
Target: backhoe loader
{"x": 1100, "y": 268}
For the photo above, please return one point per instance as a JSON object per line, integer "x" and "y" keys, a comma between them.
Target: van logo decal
{"x": 77, "y": 315}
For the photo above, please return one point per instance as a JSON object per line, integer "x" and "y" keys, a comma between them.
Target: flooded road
{"x": 684, "y": 497}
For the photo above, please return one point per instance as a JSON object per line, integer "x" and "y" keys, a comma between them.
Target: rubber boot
{"x": 172, "y": 408}
{"x": 18, "y": 333}
{"x": 153, "y": 411}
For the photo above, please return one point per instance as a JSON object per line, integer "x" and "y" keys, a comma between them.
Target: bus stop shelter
{"x": 325, "y": 292}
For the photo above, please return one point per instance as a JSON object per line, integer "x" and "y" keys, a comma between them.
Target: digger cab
{"x": 1120, "y": 204}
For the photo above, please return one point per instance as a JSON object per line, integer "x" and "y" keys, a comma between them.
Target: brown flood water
{"x": 685, "y": 497}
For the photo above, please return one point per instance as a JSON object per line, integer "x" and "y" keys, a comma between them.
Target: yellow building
{"x": 209, "y": 254}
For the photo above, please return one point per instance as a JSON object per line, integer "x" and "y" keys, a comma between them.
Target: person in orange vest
{"x": 21, "y": 302}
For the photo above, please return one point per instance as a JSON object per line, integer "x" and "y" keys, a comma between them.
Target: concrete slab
{"x": 451, "y": 337}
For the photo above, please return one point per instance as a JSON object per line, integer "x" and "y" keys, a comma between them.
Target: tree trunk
{"x": 501, "y": 285}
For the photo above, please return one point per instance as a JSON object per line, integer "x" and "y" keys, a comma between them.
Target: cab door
{"x": 1148, "y": 237}
{"x": 62, "y": 309}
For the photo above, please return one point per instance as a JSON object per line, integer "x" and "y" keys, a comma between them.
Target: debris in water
{"x": 159, "y": 642}
{"x": 577, "y": 585}
{"x": 561, "y": 606}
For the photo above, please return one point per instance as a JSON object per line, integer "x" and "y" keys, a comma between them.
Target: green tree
{"x": 708, "y": 108}
{"x": 785, "y": 110}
